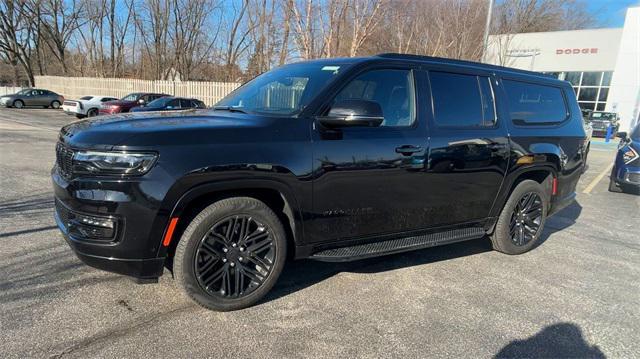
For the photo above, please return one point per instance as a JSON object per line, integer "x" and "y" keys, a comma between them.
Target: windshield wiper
{"x": 229, "y": 108}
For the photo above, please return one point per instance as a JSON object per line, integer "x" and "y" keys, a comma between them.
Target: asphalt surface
{"x": 577, "y": 294}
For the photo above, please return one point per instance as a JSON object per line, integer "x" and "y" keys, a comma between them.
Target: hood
{"x": 149, "y": 129}
{"x": 9, "y": 95}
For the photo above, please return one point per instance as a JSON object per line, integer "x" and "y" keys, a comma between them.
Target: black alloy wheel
{"x": 521, "y": 221}
{"x": 234, "y": 257}
{"x": 526, "y": 219}
{"x": 231, "y": 254}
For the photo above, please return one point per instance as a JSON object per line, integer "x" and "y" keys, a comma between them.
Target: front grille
{"x": 64, "y": 160}
{"x": 633, "y": 177}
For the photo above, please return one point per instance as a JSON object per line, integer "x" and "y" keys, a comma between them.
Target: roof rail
{"x": 394, "y": 55}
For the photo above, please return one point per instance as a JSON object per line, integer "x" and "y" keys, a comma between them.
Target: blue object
{"x": 607, "y": 138}
{"x": 626, "y": 168}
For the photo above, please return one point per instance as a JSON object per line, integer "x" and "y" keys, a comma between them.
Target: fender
{"x": 546, "y": 157}
{"x": 209, "y": 186}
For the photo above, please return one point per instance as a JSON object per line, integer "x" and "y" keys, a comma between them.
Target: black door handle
{"x": 408, "y": 149}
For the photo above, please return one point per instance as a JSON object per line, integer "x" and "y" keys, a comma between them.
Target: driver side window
{"x": 392, "y": 89}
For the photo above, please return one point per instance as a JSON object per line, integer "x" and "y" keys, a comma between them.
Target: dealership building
{"x": 603, "y": 65}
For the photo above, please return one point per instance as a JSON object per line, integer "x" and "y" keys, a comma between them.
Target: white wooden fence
{"x": 7, "y": 90}
{"x": 75, "y": 87}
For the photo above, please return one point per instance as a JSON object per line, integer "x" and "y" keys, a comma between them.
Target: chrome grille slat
{"x": 64, "y": 160}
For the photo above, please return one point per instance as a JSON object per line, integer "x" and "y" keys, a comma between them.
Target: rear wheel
{"x": 18, "y": 104}
{"x": 55, "y": 105}
{"x": 231, "y": 254}
{"x": 92, "y": 112}
{"x": 522, "y": 219}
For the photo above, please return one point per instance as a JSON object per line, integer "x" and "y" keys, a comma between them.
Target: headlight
{"x": 113, "y": 163}
{"x": 629, "y": 155}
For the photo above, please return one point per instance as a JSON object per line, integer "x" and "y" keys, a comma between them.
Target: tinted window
{"x": 175, "y": 103}
{"x": 462, "y": 100}
{"x": 392, "y": 89}
{"x": 86, "y": 98}
{"x": 184, "y": 103}
{"x": 535, "y": 104}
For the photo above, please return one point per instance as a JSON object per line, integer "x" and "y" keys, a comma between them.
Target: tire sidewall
{"x": 55, "y": 105}
{"x": 16, "y": 102}
{"x": 184, "y": 269}
{"x": 502, "y": 235}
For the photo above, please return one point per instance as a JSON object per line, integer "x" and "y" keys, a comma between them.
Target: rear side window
{"x": 185, "y": 103}
{"x": 533, "y": 104}
{"x": 461, "y": 100}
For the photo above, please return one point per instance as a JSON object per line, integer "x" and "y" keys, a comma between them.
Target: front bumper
{"x": 133, "y": 249}
{"x": 627, "y": 175}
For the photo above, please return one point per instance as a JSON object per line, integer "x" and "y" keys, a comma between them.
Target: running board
{"x": 391, "y": 246}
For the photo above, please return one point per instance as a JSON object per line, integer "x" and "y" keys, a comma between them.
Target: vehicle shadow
{"x": 562, "y": 340}
{"x": 301, "y": 274}
{"x": 562, "y": 220}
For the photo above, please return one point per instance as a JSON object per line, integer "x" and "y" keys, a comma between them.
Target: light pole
{"x": 486, "y": 32}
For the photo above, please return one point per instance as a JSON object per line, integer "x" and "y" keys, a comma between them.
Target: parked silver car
{"x": 32, "y": 97}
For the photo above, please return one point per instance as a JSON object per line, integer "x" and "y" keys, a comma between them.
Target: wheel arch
{"x": 274, "y": 194}
{"x": 543, "y": 174}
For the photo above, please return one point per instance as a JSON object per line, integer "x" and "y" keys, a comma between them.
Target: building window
{"x": 591, "y": 88}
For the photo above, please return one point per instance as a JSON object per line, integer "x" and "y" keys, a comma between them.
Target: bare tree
{"x": 16, "y": 38}
{"x": 59, "y": 20}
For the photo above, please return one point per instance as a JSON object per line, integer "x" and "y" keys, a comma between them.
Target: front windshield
{"x": 131, "y": 97}
{"x": 635, "y": 134}
{"x": 284, "y": 91}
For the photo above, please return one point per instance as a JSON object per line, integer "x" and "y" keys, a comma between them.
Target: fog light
{"x": 90, "y": 227}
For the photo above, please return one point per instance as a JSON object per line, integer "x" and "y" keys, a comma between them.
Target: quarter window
{"x": 535, "y": 104}
{"x": 392, "y": 89}
{"x": 461, "y": 100}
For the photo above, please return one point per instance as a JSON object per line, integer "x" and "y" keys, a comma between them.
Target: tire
{"x": 55, "y": 105}
{"x": 613, "y": 187}
{"x": 92, "y": 112}
{"x": 18, "y": 104}
{"x": 208, "y": 253}
{"x": 513, "y": 233}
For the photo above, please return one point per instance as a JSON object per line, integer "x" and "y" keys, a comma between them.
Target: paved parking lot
{"x": 578, "y": 294}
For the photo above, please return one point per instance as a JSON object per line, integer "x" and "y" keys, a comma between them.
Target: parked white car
{"x": 86, "y": 106}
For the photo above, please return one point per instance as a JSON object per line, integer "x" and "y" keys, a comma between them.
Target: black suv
{"x": 334, "y": 160}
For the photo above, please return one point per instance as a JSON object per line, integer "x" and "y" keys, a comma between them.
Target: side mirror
{"x": 622, "y": 135}
{"x": 141, "y": 102}
{"x": 353, "y": 113}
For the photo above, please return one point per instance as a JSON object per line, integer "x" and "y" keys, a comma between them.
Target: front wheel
{"x": 231, "y": 254}
{"x": 18, "y": 104}
{"x": 522, "y": 219}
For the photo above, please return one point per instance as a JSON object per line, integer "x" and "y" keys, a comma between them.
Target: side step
{"x": 391, "y": 246}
